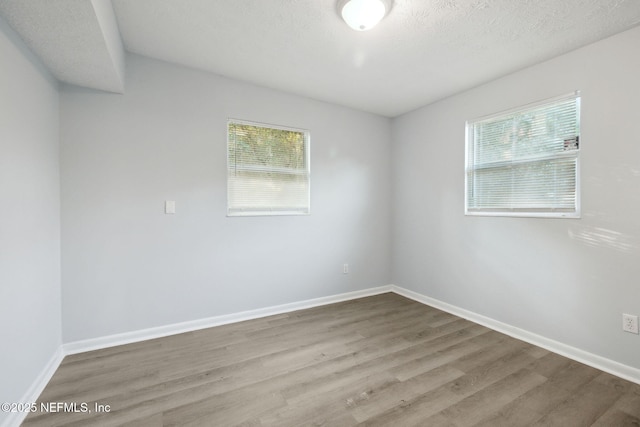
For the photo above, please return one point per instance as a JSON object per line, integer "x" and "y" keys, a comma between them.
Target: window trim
{"x": 255, "y": 212}
{"x": 529, "y": 212}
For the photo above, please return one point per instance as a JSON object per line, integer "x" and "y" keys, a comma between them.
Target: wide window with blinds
{"x": 268, "y": 169}
{"x": 525, "y": 162}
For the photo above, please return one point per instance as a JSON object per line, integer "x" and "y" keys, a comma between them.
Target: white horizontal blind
{"x": 525, "y": 162}
{"x": 268, "y": 170}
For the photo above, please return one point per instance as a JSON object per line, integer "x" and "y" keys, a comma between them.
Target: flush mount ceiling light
{"x": 362, "y": 15}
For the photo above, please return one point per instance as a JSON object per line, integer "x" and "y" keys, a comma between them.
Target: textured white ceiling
{"x": 78, "y": 40}
{"x": 424, "y": 50}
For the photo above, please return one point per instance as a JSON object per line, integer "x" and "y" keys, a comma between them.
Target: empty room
{"x": 319, "y": 212}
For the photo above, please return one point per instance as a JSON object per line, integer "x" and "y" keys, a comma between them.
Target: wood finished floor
{"x": 377, "y": 361}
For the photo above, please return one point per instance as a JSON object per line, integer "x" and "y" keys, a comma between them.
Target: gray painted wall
{"x": 568, "y": 280}
{"x": 29, "y": 219}
{"x": 128, "y": 266}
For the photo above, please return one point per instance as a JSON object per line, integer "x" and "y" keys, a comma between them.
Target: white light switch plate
{"x": 170, "y": 207}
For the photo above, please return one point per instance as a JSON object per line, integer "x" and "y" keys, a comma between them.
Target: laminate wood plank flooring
{"x": 378, "y": 361}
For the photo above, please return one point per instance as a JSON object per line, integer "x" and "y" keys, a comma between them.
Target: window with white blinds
{"x": 268, "y": 169}
{"x": 525, "y": 162}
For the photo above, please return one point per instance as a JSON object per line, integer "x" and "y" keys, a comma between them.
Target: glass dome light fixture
{"x": 362, "y": 15}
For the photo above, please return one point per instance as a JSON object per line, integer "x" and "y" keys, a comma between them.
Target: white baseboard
{"x": 607, "y": 365}
{"x": 32, "y": 394}
{"x": 178, "y": 328}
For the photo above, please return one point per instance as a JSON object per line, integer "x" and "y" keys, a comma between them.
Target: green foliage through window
{"x": 266, "y": 147}
{"x": 268, "y": 169}
{"x": 525, "y": 162}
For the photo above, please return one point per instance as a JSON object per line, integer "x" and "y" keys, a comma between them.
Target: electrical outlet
{"x": 630, "y": 323}
{"x": 345, "y": 269}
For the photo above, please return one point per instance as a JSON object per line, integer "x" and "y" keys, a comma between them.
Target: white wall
{"x": 30, "y": 331}
{"x": 127, "y": 266}
{"x": 568, "y": 280}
